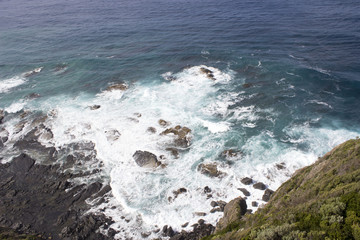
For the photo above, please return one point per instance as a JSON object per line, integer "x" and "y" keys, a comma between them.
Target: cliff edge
{"x": 321, "y": 201}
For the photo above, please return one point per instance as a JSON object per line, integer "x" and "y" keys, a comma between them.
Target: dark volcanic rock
{"x": 247, "y": 181}
{"x": 146, "y": 159}
{"x": 260, "y": 186}
{"x": 199, "y": 231}
{"x": 244, "y": 191}
{"x": 39, "y": 199}
{"x": 94, "y": 107}
{"x": 267, "y": 195}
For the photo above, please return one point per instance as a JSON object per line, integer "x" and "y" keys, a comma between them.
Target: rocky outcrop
{"x": 320, "y": 201}
{"x": 44, "y": 202}
{"x": 117, "y": 87}
{"x": 210, "y": 170}
{"x": 182, "y": 135}
{"x": 146, "y": 159}
{"x": 208, "y": 73}
{"x": 200, "y": 230}
{"x": 267, "y": 195}
{"x": 232, "y": 211}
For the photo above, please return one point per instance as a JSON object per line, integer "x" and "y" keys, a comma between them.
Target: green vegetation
{"x": 321, "y": 201}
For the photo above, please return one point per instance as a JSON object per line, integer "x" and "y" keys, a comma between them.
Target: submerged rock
{"x": 231, "y": 153}
{"x": 116, "y": 87}
{"x": 210, "y": 169}
{"x": 112, "y": 135}
{"x": 235, "y": 208}
{"x": 146, "y": 159}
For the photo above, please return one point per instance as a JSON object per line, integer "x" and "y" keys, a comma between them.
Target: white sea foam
{"x": 7, "y": 84}
{"x": 144, "y": 198}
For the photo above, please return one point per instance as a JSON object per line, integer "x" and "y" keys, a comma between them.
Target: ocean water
{"x": 285, "y": 90}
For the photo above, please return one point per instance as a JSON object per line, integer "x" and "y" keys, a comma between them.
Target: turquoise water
{"x": 286, "y": 90}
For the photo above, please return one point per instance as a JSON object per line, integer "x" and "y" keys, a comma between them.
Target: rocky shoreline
{"x": 41, "y": 197}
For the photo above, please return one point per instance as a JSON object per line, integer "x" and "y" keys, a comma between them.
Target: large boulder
{"x": 146, "y": 159}
{"x": 232, "y": 211}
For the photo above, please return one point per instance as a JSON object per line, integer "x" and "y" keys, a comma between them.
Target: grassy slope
{"x": 321, "y": 201}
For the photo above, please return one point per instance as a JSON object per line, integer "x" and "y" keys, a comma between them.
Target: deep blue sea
{"x": 285, "y": 89}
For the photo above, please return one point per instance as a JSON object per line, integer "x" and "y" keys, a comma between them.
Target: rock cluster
{"x": 39, "y": 199}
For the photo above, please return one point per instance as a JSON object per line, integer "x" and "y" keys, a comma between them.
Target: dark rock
{"x": 33, "y": 96}
{"x": 280, "y": 166}
{"x": 21, "y": 164}
{"x": 247, "y": 85}
{"x": 94, "y": 107}
{"x": 163, "y": 123}
{"x": 208, "y": 73}
{"x": 200, "y": 214}
{"x": 182, "y": 138}
{"x": 260, "y": 186}
{"x": 235, "y": 208}
{"x": 231, "y": 153}
{"x": 145, "y": 234}
{"x": 244, "y": 191}
{"x": 247, "y": 181}
{"x": 267, "y": 195}
{"x": 146, "y": 159}
{"x": 151, "y": 130}
{"x": 218, "y": 209}
{"x": 2, "y": 115}
{"x": 210, "y": 169}
{"x": 207, "y": 189}
{"x": 254, "y": 204}
{"x": 35, "y": 196}
{"x": 118, "y": 86}
{"x": 168, "y": 231}
{"x": 33, "y": 72}
{"x": 199, "y": 231}
{"x": 185, "y": 225}
{"x": 173, "y": 151}
{"x": 214, "y": 204}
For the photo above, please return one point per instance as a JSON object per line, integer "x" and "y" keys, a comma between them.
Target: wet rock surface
{"x": 200, "y": 230}
{"x": 39, "y": 199}
{"x": 117, "y": 86}
{"x": 146, "y": 159}
{"x": 210, "y": 170}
